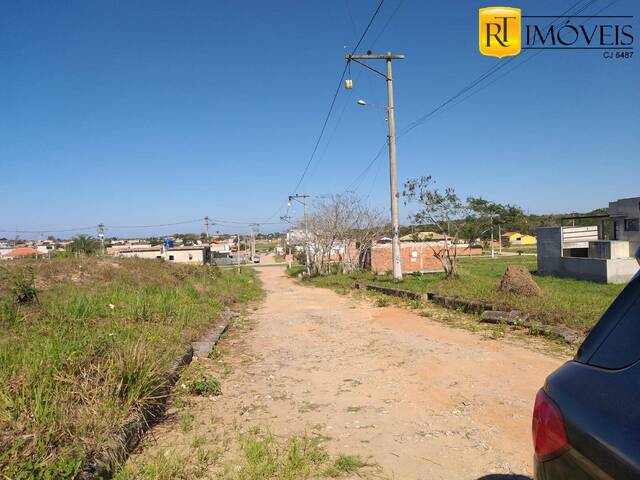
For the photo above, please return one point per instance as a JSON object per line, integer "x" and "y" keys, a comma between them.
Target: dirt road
{"x": 419, "y": 398}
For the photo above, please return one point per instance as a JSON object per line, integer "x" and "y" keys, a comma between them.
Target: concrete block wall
{"x": 549, "y": 249}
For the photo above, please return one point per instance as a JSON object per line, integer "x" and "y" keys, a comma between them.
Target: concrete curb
{"x": 488, "y": 312}
{"x": 117, "y": 450}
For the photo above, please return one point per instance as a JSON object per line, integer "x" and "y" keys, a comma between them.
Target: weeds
{"x": 345, "y": 464}
{"x": 186, "y": 421}
{"x": 215, "y": 353}
{"x": 205, "y": 385}
{"x": 168, "y": 466}
{"x": 263, "y": 457}
{"x": 196, "y": 381}
{"x": 382, "y": 302}
{"x": 92, "y": 348}
{"x": 24, "y": 290}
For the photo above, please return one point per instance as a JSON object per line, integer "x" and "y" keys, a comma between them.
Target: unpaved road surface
{"x": 419, "y": 398}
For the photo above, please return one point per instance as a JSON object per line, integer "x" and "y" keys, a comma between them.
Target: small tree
{"x": 454, "y": 217}
{"x": 442, "y": 209}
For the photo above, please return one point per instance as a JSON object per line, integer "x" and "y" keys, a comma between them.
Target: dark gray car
{"x": 586, "y": 420}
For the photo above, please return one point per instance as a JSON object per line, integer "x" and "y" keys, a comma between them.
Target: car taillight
{"x": 549, "y": 435}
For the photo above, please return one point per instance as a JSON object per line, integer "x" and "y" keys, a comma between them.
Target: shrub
{"x": 204, "y": 384}
{"x": 382, "y": 302}
{"x": 24, "y": 290}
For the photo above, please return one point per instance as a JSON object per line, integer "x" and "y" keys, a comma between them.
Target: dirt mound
{"x": 518, "y": 280}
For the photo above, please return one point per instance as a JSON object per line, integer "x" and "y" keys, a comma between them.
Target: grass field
{"x": 86, "y": 342}
{"x": 521, "y": 248}
{"x": 266, "y": 246}
{"x": 574, "y": 303}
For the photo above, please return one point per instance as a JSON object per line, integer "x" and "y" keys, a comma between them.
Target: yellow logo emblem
{"x": 499, "y": 31}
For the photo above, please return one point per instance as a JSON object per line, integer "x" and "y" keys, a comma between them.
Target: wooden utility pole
{"x": 393, "y": 165}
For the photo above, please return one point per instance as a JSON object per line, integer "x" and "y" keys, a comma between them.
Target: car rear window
{"x": 620, "y": 345}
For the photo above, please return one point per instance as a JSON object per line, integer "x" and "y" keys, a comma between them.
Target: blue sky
{"x": 149, "y": 112}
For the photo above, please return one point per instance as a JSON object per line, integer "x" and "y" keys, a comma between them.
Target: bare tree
{"x": 341, "y": 230}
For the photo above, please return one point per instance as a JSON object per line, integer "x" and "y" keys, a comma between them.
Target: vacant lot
{"x": 575, "y": 303}
{"x": 85, "y": 342}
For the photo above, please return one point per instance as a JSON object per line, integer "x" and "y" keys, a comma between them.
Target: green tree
{"x": 84, "y": 244}
{"x": 456, "y": 218}
{"x": 485, "y": 215}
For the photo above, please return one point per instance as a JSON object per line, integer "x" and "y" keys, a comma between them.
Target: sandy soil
{"x": 419, "y": 398}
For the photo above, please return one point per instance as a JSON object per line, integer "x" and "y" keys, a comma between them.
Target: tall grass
{"x": 91, "y": 349}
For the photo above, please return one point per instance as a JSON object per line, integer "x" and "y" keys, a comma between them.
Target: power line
{"x": 62, "y": 230}
{"x": 121, "y": 227}
{"x": 357, "y": 182}
{"x": 375, "y": 13}
{"x": 393, "y": 14}
{"x": 491, "y": 71}
{"x": 133, "y": 227}
{"x": 331, "y": 106}
{"x": 232, "y": 222}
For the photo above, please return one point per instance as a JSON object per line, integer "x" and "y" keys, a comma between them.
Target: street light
{"x": 363, "y": 103}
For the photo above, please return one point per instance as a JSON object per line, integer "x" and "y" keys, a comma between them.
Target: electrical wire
{"x": 491, "y": 71}
{"x": 393, "y": 14}
{"x": 63, "y": 230}
{"x": 214, "y": 221}
{"x": 356, "y": 183}
{"x": 121, "y": 227}
{"x": 331, "y": 106}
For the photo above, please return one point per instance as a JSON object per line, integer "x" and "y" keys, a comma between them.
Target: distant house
{"x": 22, "y": 252}
{"x": 221, "y": 246}
{"x": 517, "y": 239}
{"x": 196, "y": 254}
{"x": 383, "y": 240}
{"x": 422, "y": 237}
{"x": 45, "y": 247}
{"x": 143, "y": 252}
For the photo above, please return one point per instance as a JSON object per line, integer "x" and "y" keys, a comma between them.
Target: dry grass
{"x": 91, "y": 348}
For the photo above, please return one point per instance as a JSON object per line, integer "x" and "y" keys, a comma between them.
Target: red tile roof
{"x": 21, "y": 251}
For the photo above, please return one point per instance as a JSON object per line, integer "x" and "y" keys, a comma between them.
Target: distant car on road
{"x": 586, "y": 419}
{"x": 255, "y": 259}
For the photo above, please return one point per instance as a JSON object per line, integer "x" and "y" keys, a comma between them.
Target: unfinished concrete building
{"x": 603, "y": 252}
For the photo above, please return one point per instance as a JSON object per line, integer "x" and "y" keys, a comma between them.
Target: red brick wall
{"x": 423, "y": 259}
